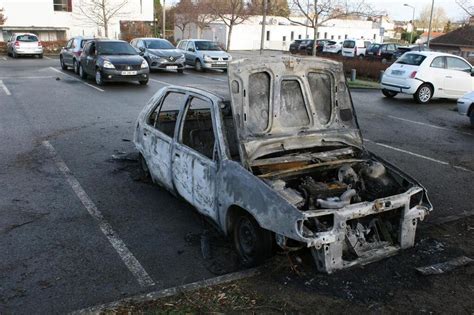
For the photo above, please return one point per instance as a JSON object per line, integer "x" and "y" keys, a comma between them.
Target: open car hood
{"x": 287, "y": 103}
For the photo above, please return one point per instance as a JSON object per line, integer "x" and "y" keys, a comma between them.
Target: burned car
{"x": 281, "y": 159}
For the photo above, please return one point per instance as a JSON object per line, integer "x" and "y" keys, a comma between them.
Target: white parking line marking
{"x": 22, "y": 78}
{"x": 161, "y": 82}
{"x": 429, "y": 125}
{"x": 420, "y": 156}
{"x": 92, "y": 86}
{"x": 4, "y": 58}
{"x": 127, "y": 257}
{"x": 210, "y": 78}
{"x": 7, "y": 92}
{"x": 46, "y": 57}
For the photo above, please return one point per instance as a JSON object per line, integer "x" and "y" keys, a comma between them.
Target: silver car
{"x": 281, "y": 159}
{"x": 466, "y": 106}
{"x": 204, "y": 54}
{"x": 24, "y": 44}
{"x": 159, "y": 53}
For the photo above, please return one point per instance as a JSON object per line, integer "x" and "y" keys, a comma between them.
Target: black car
{"x": 112, "y": 61}
{"x": 403, "y": 49}
{"x": 294, "y": 46}
{"x": 304, "y": 43}
{"x": 384, "y": 52}
{"x": 160, "y": 54}
{"x": 319, "y": 46}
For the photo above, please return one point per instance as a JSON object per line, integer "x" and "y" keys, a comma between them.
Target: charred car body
{"x": 281, "y": 159}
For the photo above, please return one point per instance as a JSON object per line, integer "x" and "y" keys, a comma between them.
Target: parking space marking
{"x": 90, "y": 85}
{"x": 23, "y": 78}
{"x": 7, "y": 92}
{"x": 420, "y": 156}
{"x": 127, "y": 257}
{"x": 210, "y": 78}
{"x": 429, "y": 125}
{"x": 161, "y": 82}
{"x": 46, "y": 57}
{"x": 4, "y": 58}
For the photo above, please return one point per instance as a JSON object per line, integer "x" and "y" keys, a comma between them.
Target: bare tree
{"x": 101, "y": 12}
{"x": 439, "y": 18}
{"x": 467, "y": 6}
{"x": 2, "y": 17}
{"x": 231, "y": 12}
{"x": 184, "y": 15}
{"x": 274, "y": 7}
{"x": 203, "y": 16}
{"x": 320, "y": 11}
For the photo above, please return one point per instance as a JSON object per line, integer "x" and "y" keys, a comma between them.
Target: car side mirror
{"x": 472, "y": 72}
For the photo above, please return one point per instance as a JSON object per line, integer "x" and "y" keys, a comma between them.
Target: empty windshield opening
{"x": 411, "y": 59}
{"x": 321, "y": 94}
{"x": 115, "y": 48}
{"x": 158, "y": 44}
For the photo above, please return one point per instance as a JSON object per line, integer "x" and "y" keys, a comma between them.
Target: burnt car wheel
{"x": 253, "y": 244}
{"x": 388, "y": 93}
{"x": 63, "y": 65}
{"x": 423, "y": 94}
{"x": 98, "y": 78}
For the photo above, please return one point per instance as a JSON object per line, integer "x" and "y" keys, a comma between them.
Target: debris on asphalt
{"x": 446, "y": 266}
{"x": 127, "y": 157}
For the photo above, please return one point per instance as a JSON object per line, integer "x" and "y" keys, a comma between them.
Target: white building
{"x": 60, "y": 19}
{"x": 279, "y": 32}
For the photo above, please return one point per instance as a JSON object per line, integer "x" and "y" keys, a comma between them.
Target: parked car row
{"x": 115, "y": 60}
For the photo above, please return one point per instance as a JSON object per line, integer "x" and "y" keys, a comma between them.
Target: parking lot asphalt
{"x": 77, "y": 227}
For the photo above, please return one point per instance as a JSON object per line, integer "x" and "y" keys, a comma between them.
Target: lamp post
{"x": 429, "y": 27}
{"x": 412, "y": 22}
{"x": 262, "y": 37}
{"x": 164, "y": 19}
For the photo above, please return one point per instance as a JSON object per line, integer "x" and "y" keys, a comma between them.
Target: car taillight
{"x": 39, "y": 44}
{"x": 413, "y": 75}
{"x": 17, "y": 43}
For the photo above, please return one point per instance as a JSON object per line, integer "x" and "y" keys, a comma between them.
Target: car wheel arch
{"x": 232, "y": 214}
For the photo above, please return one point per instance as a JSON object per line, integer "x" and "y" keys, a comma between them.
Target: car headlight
{"x": 144, "y": 64}
{"x": 207, "y": 58}
{"x": 154, "y": 57}
{"x": 108, "y": 65}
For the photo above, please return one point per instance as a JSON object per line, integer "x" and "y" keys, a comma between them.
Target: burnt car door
{"x": 158, "y": 136}
{"x": 195, "y": 155}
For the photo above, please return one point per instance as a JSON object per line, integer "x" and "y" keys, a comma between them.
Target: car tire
{"x": 41, "y": 57}
{"x": 424, "y": 94}
{"x": 180, "y": 70}
{"x": 471, "y": 116}
{"x": 198, "y": 65}
{"x": 98, "y": 78}
{"x": 143, "y": 82}
{"x": 82, "y": 73}
{"x": 252, "y": 243}
{"x": 144, "y": 170}
{"x": 63, "y": 65}
{"x": 388, "y": 93}
{"x": 14, "y": 55}
{"x": 75, "y": 66}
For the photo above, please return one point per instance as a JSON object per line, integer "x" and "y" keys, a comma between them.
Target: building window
{"x": 325, "y": 35}
{"x": 332, "y": 36}
{"x": 284, "y": 38}
{"x": 339, "y": 37}
{"x": 268, "y": 35}
{"x": 62, "y": 5}
{"x": 345, "y": 36}
{"x": 292, "y": 35}
{"x": 299, "y": 36}
{"x": 375, "y": 36}
{"x": 317, "y": 35}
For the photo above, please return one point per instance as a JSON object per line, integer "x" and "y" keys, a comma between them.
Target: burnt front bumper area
{"x": 364, "y": 232}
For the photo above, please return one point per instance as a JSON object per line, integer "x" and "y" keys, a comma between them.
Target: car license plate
{"x": 221, "y": 63}
{"x": 129, "y": 72}
{"x": 398, "y": 72}
{"x": 171, "y": 67}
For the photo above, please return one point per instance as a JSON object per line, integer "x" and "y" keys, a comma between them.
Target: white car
{"x": 24, "y": 44}
{"x": 466, "y": 106}
{"x": 333, "y": 47}
{"x": 355, "y": 47}
{"x": 428, "y": 74}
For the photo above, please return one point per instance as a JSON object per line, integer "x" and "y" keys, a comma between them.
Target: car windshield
{"x": 349, "y": 44}
{"x": 115, "y": 48}
{"x": 411, "y": 59}
{"x": 203, "y": 45}
{"x": 158, "y": 44}
{"x": 374, "y": 47}
{"x": 27, "y": 38}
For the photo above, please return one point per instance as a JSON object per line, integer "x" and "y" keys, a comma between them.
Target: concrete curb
{"x": 169, "y": 292}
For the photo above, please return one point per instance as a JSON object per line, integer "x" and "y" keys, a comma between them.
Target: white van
{"x": 355, "y": 47}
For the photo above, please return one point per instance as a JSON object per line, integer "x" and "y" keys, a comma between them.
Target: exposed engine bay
{"x": 326, "y": 184}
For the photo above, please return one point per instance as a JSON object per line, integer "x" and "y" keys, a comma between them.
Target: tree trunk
{"x": 105, "y": 19}
{"x": 229, "y": 36}
{"x": 315, "y": 37}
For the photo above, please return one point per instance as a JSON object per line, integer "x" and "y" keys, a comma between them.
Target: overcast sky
{"x": 397, "y": 11}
